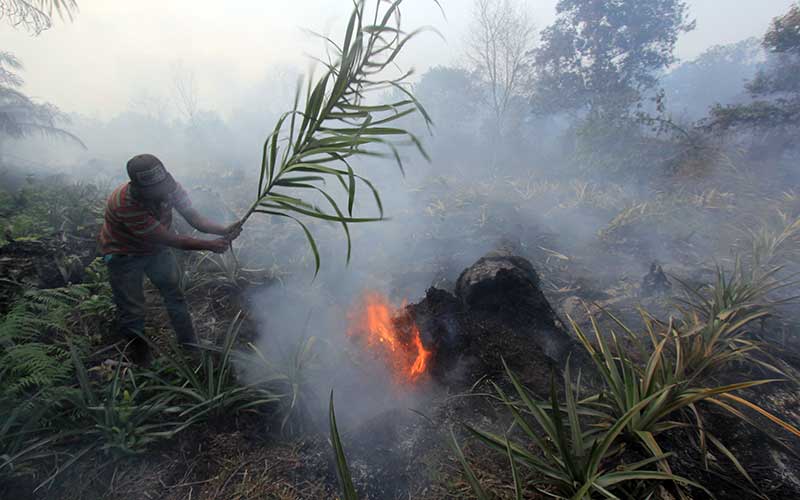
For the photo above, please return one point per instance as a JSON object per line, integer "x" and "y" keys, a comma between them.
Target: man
{"x": 136, "y": 240}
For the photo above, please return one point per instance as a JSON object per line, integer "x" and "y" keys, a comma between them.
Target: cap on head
{"x": 149, "y": 178}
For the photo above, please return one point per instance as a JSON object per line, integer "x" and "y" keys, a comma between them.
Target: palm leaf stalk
{"x": 318, "y": 142}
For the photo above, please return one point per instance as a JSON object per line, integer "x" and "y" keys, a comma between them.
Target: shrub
{"x": 576, "y": 462}
{"x": 122, "y": 420}
{"x": 208, "y": 389}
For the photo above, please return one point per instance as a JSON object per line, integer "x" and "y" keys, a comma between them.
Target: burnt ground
{"x": 49, "y": 262}
{"x": 235, "y": 461}
{"x": 499, "y": 308}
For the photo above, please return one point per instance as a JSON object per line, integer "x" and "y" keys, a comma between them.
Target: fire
{"x": 391, "y": 334}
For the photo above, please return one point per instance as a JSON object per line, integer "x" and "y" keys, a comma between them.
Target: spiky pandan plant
{"x": 335, "y": 125}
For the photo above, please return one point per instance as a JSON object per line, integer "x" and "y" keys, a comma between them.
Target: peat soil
{"x": 500, "y": 309}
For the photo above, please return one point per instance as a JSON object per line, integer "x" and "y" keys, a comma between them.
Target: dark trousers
{"x": 127, "y": 274}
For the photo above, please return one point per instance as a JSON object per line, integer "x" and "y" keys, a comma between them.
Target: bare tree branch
{"x": 185, "y": 91}
{"x": 501, "y": 37}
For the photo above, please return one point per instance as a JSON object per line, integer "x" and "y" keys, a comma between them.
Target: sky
{"x": 115, "y": 52}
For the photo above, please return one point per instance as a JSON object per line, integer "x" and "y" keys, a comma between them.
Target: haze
{"x": 115, "y": 52}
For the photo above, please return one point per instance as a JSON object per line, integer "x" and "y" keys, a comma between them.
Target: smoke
{"x": 397, "y": 258}
{"x": 552, "y": 189}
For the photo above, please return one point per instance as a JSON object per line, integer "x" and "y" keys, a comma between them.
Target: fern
{"x": 35, "y": 366}
{"x": 33, "y": 352}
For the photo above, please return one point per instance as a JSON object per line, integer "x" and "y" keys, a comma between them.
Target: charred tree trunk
{"x": 498, "y": 313}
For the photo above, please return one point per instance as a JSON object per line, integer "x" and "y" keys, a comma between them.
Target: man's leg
{"x": 163, "y": 271}
{"x": 126, "y": 274}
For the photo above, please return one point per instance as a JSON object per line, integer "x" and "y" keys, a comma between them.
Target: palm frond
{"x": 8, "y": 63}
{"x": 336, "y": 125}
{"x": 36, "y": 16}
{"x": 21, "y": 116}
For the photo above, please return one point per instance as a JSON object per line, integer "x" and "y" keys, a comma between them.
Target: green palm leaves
{"x": 317, "y": 143}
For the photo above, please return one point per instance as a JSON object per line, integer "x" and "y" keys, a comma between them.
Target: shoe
{"x": 138, "y": 351}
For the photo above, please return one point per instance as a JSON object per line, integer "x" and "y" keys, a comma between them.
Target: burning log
{"x": 506, "y": 286}
{"x": 498, "y": 311}
{"x": 453, "y": 339}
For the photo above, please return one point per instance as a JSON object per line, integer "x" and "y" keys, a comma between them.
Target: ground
{"x": 397, "y": 453}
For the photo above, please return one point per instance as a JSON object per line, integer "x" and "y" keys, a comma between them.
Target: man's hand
{"x": 233, "y": 231}
{"x": 165, "y": 237}
{"x": 204, "y": 225}
{"x": 220, "y": 245}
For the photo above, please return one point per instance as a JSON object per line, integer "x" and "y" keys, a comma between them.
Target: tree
{"x": 500, "y": 39}
{"x": 21, "y": 116}
{"x": 451, "y": 96}
{"x": 36, "y": 16}
{"x": 603, "y": 55}
{"x": 784, "y": 34}
{"x": 185, "y": 91}
{"x": 776, "y": 89}
{"x": 686, "y": 87}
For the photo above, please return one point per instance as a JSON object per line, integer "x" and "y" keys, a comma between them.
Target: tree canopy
{"x": 729, "y": 66}
{"x": 603, "y": 54}
{"x": 452, "y": 95}
{"x": 775, "y": 89}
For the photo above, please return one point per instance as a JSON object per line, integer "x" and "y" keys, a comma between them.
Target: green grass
{"x": 666, "y": 386}
{"x": 205, "y": 386}
{"x": 221, "y": 274}
{"x": 290, "y": 375}
{"x": 119, "y": 416}
{"x": 49, "y": 206}
{"x": 342, "y": 470}
{"x": 720, "y": 319}
{"x": 773, "y": 244}
{"x": 25, "y": 438}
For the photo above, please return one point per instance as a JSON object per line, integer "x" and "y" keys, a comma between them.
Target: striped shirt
{"x": 130, "y": 225}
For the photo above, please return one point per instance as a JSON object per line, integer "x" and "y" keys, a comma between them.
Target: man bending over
{"x": 136, "y": 240}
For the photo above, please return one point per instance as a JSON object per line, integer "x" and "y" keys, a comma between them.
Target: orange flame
{"x": 381, "y": 327}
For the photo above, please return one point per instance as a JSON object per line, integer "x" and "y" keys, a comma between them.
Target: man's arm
{"x": 183, "y": 205}
{"x": 204, "y": 225}
{"x": 162, "y": 236}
